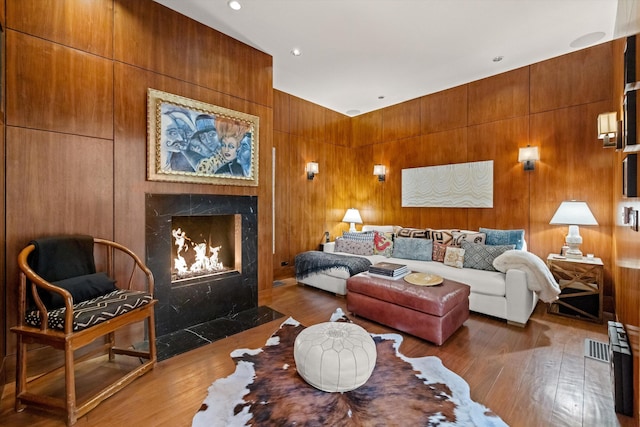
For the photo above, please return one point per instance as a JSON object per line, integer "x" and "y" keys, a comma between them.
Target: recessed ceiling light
{"x": 381, "y": 97}
{"x": 234, "y": 4}
{"x": 352, "y": 112}
{"x": 587, "y": 40}
{"x": 498, "y": 58}
{"x": 296, "y": 52}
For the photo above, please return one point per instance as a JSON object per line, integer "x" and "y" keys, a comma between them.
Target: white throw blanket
{"x": 539, "y": 277}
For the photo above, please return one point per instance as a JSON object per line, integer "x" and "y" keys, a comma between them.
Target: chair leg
{"x": 111, "y": 337}
{"x": 152, "y": 336}
{"x": 70, "y": 384}
{"x": 21, "y": 372}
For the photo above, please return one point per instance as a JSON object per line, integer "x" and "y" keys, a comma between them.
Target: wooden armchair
{"x": 66, "y": 304}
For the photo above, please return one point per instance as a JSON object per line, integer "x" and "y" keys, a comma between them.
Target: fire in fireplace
{"x": 204, "y": 246}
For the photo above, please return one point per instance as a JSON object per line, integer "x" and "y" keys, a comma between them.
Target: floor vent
{"x": 596, "y": 350}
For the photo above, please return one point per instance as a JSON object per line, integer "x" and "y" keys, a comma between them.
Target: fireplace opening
{"x": 205, "y": 247}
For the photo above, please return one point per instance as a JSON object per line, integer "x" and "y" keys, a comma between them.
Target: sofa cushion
{"x": 382, "y": 243}
{"x": 444, "y": 236}
{"x": 454, "y": 257}
{"x": 411, "y": 248}
{"x": 354, "y": 247}
{"x": 358, "y": 237}
{"x": 480, "y": 257}
{"x": 469, "y": 236}
{"x": 420, "y": 233}
{"x": 439, "y": 250}
{"x": 504, "y": 237}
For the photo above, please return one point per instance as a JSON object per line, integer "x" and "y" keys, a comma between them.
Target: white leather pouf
{"x": 335, "y": 356}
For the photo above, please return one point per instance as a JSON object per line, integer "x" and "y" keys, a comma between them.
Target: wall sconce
{"x": 528, "y": 155}
{"x": 311, "y": 169}
{"x": 608, "y": 128}
{"x": 381, "y": 171}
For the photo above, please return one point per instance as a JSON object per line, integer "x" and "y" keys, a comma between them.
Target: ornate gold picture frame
{"x": 192, "y": 141}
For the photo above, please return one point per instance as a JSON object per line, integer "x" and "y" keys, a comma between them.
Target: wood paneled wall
{"x": 77, "y": 75}
{"x": 553, "y": 105}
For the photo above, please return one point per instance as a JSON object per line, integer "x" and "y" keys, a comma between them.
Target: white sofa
{"x": 503, "y": 295}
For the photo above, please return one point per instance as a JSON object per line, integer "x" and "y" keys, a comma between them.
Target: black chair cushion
{"x": 82, "y": 288}
{"x": 94, "y": 311}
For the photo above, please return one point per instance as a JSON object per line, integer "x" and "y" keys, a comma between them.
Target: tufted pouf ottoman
{"x": 335, "y": 356}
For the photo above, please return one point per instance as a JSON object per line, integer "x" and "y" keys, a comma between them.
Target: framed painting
{"x": 192, "y": 141}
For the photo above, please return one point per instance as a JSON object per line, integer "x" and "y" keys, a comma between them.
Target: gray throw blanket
{"x": 315, "y": 261}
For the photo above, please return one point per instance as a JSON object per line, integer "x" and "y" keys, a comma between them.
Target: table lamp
{"x": 573, "y": 213}
{"x": 352, "y": 216}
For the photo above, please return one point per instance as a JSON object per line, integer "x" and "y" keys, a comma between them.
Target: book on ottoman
{"x": 389, "y": 269}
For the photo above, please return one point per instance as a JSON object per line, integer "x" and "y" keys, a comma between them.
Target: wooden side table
{"x": 581, "y": 283}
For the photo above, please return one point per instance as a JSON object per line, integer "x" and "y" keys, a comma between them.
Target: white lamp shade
{"x": 528, "y": 153}
{"x": 607, "y": 124}
{"x": 379, "y": 170}
{"x": 352, "y": 216}
{"x": 573, "y": 213}
{"x": 312, "y": 167}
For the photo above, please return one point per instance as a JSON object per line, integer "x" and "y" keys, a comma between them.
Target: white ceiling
{"x": 356, "y": 51}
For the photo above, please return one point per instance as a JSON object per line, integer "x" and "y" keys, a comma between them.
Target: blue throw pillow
{"x": 410, "y": 248}
{"x": 504, "y": 237}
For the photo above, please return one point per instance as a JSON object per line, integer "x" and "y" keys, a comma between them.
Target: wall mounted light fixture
{"x": 528, "y": 155}
{"x": 380, "y": 171}
{"x": 311, "y": 169}
{"x": 608, "y": 128}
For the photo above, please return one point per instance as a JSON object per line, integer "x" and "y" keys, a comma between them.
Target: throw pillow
{"x": 412, "y": 232}
{"x": 439, "y": 251}
{"x": 382, "y": 243}
{"x": 410, "y": 248}
{"x": 358, "y": 237}
{"x": 454, "y": 257}
{"x": 82, "y": 288}
{"x": 504, "y": 237}
{"x": 444, "y": 236}
{"x": 354, "y": 247}
{"x": 480, "y": 257}
{"x": 469, "y": 236}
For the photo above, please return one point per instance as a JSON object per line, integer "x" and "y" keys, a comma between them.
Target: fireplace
{"x": 202, "y": 250}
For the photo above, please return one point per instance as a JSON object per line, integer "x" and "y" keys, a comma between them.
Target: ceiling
{"x": 362, "y": 55}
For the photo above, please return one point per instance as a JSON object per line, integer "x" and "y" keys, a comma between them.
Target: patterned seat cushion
{"x": 97, "y": 310}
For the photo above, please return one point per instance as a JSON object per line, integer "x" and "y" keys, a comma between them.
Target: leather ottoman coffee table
{"x": 433, "y": 313}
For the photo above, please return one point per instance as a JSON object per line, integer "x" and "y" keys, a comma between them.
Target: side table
{"x": 581, "y": 283}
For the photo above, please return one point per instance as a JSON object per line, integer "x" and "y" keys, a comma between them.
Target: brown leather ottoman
{"x": 433, "y": 313}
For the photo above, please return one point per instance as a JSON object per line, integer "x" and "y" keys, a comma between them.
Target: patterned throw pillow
{"x": 480, "y": 256}
{"x": 409, "y": 248}
{"x": 469, "y": 236}
{"x": 444, "y": 236}
{"x": 359, "y": 237}
{"x": 382, "y": 243}
{"x": 439, "y": 251}
{"x": 454, "y": 257}
{"x": 504, "y": 237}
{"x": 420, "y": 233}
{"x": 354, "y": 247}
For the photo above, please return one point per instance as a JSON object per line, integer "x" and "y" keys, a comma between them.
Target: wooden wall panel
{"x": 338, "y": 128}
{"x": 55, "y": 184}
{"x": 367, "y": 129}
{"x": 499, "y": 141}
{"x": 579, "y": 78}
{"x": 401, "y": 121}
{"x": 308, "y": 122}
{"x": 499, "y": 97}
{"x": 444, "y": 110}
{"x": 281, "y": 120}
{"x": 56, "y": 88}
{"x": 68, "y": 22}
{"x": 284, "y": 204}
{"x": 340, "y": 189}
{"x": 153, "y": 37}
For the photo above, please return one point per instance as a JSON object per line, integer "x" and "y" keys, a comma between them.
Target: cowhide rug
{"x": 266, "y": 390}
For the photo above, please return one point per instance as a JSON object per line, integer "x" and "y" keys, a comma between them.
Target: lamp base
{"x": 352, "y": 228}
{"x": 573, "y": 252}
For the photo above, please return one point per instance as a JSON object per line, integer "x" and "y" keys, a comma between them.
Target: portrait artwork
{"x": 191, "y": 141}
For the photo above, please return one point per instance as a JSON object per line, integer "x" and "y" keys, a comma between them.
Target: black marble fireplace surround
{"x": 209, "y": 308}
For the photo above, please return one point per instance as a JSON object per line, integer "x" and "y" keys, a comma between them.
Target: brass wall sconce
{"x": 380, "y": 171}
{"x": 608, "y": 129}
{"x": 528, "y": 155}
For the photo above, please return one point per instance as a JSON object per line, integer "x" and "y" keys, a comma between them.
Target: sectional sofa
{"x": 510, "y": 294}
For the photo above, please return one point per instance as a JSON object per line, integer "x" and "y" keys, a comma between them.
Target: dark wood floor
{"x": 536, "y": 376}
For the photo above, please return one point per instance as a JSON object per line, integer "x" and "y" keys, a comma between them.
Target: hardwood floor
{"x": 533, "y": 376}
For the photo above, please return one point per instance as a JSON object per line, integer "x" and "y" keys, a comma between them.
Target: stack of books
{"x": 389, "y": 270}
